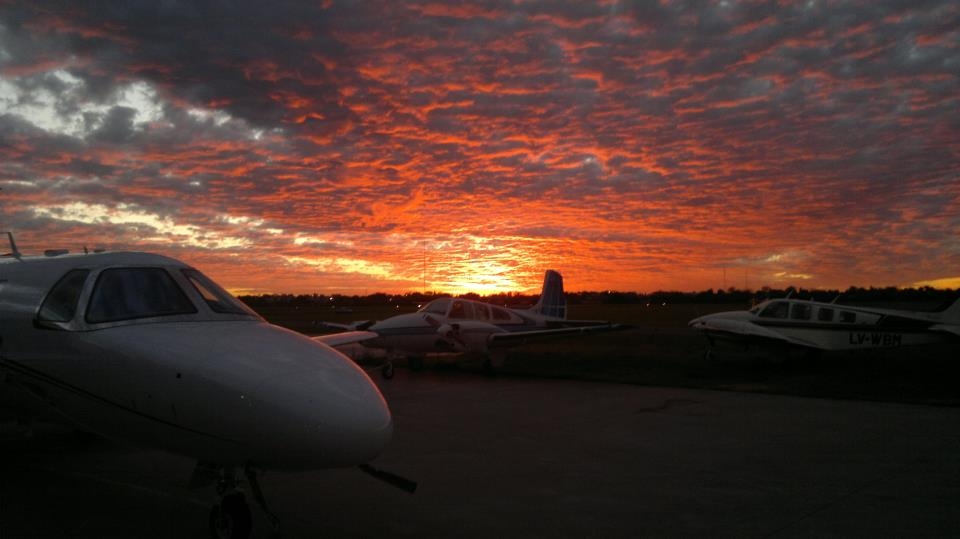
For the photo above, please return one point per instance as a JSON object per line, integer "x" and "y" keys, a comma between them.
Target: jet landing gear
{"x": 231, "y": 518}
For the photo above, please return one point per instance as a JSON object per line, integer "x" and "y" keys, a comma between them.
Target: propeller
{"x": 449, "y": 332}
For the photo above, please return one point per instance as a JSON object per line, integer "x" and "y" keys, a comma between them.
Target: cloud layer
{"x": 365, "y": 146}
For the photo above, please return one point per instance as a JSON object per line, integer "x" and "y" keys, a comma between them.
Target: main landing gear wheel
{"x": 387, "y": 370}
{"x": 230, "y": 519}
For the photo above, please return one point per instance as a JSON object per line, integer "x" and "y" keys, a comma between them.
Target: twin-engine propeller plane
{"x": 463, "y": 326}
{"x": 145, "y": 349}
{"x": 817, "y": 326}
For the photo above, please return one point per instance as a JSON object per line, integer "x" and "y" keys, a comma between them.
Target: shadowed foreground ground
{"x": 522, "y": 457}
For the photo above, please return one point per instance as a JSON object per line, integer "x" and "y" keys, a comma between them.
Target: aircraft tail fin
{"x": 951, "y": 314}
{"x": 552, "y": 302}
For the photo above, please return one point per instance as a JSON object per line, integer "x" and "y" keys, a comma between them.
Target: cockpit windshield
{"x": 129, "y": 293}
{"x": 776, "y": 309}
{"x": 437, "y": 306}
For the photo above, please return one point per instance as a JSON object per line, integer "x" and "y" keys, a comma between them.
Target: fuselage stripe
{"x": 43, "y": 377}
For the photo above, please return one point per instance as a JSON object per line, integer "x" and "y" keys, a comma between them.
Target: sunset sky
{"x": 356, "y": 147}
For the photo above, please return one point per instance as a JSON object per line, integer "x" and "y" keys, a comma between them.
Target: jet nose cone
{"x": 372, "y": 431}
{"x": 314, "y": 408}
{"x": 333, "y": 419}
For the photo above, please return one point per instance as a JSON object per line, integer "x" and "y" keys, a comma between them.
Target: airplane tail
{"x": 552, "y": 302}
{"x": 951, "y": 314}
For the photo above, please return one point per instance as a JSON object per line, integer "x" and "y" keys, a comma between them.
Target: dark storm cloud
{"x": 683, "y": 124}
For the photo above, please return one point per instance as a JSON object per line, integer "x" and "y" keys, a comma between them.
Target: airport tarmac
{"x": 522, "y": 457}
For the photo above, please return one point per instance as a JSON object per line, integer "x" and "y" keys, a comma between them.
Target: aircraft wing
{"x": 553, "y": 324}
{"x": 516, "y": 338}
{"x": 745, "y": 329}
{"x": 347, "y": 337}
{"x": 357, "y": 325}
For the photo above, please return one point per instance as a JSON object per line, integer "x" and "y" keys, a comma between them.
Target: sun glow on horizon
{"x": 378, "y": 159}
{"x": 944, "y": 283}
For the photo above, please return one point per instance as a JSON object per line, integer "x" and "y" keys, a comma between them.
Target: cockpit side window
{"x": 800, "y": 311}
{"x": 461, "y": 310}
{"x": 60, "y": 305}
{"x": 218, "y": 299}
{"x": 129, "y": 293}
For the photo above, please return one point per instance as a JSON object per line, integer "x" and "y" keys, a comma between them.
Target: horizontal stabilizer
{"x": 952, "y": 329}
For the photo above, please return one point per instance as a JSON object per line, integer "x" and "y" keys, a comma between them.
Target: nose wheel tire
{"x": 230, "y": 519}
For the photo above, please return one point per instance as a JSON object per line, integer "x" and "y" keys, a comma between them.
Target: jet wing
{"x": 347, "y": 337}
{"x": 516, "y": 338}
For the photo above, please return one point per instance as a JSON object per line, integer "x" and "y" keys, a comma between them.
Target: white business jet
{"x": 818, "y": 326}
{"x": 463, "y": 326}
{"x": 145, "y": 349}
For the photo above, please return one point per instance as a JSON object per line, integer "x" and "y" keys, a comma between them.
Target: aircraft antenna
{"x": 13, "y": 246}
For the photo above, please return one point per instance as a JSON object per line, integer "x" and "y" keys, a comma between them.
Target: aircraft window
{"x": 128, "y": 293}
{"x": 777, "y": 309}
{"x": 437, "y": 306}
{"x": 847, "y": 317}
{"x": 500, "y": 314}
{"x": 825, "y": 315}
{"x": 219, "y": 300}
{"x": 60, "y": 304}
{"x": 800, "y": 311}
{"x": 482, "y": 311}
{"x": 461, "y": 310}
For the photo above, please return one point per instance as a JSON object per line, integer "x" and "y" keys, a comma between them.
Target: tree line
{"x": 731, "y": 295}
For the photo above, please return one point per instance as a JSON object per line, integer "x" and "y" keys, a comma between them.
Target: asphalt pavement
{"x": 524, "y": 457}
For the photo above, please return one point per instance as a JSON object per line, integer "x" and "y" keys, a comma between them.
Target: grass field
{"x": 658, "y": 349}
